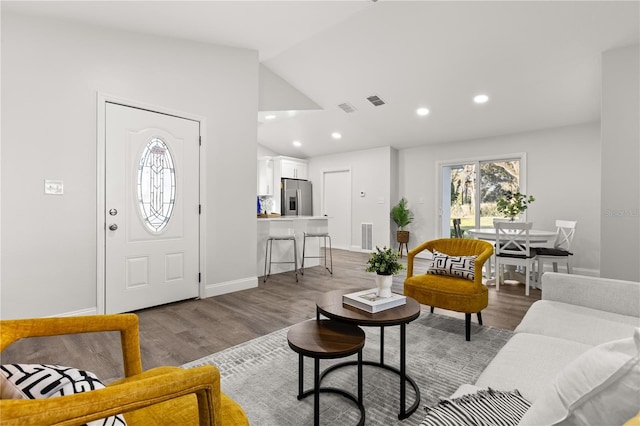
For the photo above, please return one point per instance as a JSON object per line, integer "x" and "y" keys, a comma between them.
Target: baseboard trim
{"x": 217, "y": 289}
{"x": 576, "y": 271}
{"x": 79, "y": 313}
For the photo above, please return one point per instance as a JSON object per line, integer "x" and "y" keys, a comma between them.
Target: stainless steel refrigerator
{"x": 295, "y": 197}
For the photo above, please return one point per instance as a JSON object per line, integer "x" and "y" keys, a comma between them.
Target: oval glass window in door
{"x": 156, "y": 185}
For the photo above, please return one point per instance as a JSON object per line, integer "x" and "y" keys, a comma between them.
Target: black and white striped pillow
{"x": 484, "y": 408}
{"x": 456, "y": 266}
{"x": 39, "y": 381}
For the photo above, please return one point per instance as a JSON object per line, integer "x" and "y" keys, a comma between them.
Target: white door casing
{"x": 336, "y": 204}
{"x": 145, "y": 266}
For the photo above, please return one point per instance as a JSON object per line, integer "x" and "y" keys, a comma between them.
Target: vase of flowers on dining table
{"x": 513, "y": 204}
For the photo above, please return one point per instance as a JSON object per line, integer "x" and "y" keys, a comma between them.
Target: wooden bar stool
{"x": 326, "y": 339}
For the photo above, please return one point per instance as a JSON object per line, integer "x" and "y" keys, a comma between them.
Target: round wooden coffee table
{"x": 326, "y": 339}
{"x": 330, "y": 305}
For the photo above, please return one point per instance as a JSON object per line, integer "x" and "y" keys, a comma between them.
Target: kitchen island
{"x": 283, "y": 250}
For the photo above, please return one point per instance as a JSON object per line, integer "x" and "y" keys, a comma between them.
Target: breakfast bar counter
{"x": 282, "y": 250}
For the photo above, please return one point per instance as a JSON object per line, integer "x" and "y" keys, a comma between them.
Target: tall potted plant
{"x": 513, "y": 204}
{"x": 384, "y": 262}
{"x": 402, "y": 217}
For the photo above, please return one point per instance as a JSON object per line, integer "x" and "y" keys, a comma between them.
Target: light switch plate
{"x": 53, "y": 187}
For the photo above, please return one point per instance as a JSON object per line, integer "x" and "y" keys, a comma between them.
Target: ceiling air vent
{"x": 375, "y": 100}
{"x": 347, "y": 107}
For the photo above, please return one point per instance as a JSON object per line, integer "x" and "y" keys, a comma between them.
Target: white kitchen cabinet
{"x": 265, "y": 176}
{"x": 293, "y": 168}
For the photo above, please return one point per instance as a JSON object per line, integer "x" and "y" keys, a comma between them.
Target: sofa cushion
{"x": 485, "y": 407}
{"x": 39, "y": 381}
{"x": 529, "y": 362}
{"x": 577, "y": 323}
{"x": 455, "y": 266}
{"x": 602, "y": 386}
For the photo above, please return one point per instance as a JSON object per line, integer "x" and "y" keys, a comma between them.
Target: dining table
{"x": 537, "y": 237}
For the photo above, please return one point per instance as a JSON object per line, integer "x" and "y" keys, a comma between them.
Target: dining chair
{"x": 492, "y": 261}
{"x": 457, "y": 231}
{"x": 513, "y": 247}
{"x": 566, "y": 230}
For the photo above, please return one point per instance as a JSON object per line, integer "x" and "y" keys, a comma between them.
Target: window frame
{"x": 443, "y": 187}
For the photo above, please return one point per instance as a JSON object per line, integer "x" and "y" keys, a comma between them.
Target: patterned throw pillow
{"x": 455, "y": 266}
{"x": 38, "y": 381}
{"x": 486, "y": 407}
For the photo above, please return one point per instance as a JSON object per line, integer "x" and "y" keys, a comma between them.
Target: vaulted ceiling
{"x": 538, "y": 61}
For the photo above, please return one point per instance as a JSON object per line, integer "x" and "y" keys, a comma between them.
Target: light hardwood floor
{"x": 180, "y": 332}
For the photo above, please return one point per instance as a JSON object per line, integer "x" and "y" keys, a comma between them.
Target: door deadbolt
{"x": 113, "y": 227}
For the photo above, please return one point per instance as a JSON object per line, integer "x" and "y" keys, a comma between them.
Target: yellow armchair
{"x": 448, "y": 292}
{"x": 160, "y": 396}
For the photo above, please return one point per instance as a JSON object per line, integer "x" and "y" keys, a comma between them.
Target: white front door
{"x": 152, "y": 208}
{"x": 337, "y": 206}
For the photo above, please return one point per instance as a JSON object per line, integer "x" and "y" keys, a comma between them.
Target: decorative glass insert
{"x": 156, "y": 185}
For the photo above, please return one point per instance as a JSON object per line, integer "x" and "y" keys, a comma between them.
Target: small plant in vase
{"x": 384, "y": 262}
{"x": 513, "y": 204}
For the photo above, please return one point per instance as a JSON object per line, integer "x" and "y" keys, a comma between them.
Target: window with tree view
{"x": 471, "y": 189}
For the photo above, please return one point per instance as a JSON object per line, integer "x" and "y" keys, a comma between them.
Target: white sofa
{"x": 574, "y": 323}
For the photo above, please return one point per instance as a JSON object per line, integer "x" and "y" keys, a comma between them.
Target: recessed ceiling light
{"x": 480, "y": 99}
{"x": 336, "y": 135}
{"x": 297, "y": 143}
{"x": 269, "y": 117}
{"x": 422, "y": 111}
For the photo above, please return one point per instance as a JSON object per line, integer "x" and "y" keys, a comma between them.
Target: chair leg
{"x": 330, "y": 254}
{"x": 432, "y": 309}
{"x": 467, "y": 327}
{"x": 539, "y": 270}
{"x": 266, "y": 255}
{"x": 479, "y": 318}
{"x": 295, "y": 258}
{"x": 304, "y": 246}
{"x": 527, "y": 271}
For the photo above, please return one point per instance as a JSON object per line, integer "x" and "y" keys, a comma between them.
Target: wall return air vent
{"x": 367, "y": 236}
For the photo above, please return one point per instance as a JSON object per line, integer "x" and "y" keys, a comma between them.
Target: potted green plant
{"x": 402, "y": 217}
{"x": 384, "y": 262}
{"x": 513, "y": 204}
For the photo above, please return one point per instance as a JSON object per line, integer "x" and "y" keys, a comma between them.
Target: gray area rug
{"x": 262, "y": 374}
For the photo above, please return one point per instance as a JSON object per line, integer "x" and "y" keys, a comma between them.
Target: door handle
{"x": 113, "y": 227}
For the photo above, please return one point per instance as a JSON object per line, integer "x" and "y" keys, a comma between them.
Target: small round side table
{"x": 326, "y": 339}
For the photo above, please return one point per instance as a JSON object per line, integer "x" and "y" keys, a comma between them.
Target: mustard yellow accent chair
{"x": 159, "y": 396}
{"x": 448, "y": 292}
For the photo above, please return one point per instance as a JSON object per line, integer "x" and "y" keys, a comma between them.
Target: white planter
{"x": 383, "y": 282}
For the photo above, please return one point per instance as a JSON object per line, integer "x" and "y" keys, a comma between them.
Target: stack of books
{"x": 368, "y": 300}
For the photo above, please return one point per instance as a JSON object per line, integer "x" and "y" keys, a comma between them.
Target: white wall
{"x": 51, "y": 73}
{"x": 563, "y": 175}
{"x": 370, "y": 172}
{"x": 620, "y": 222}
{"x": 276, "y": 94}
